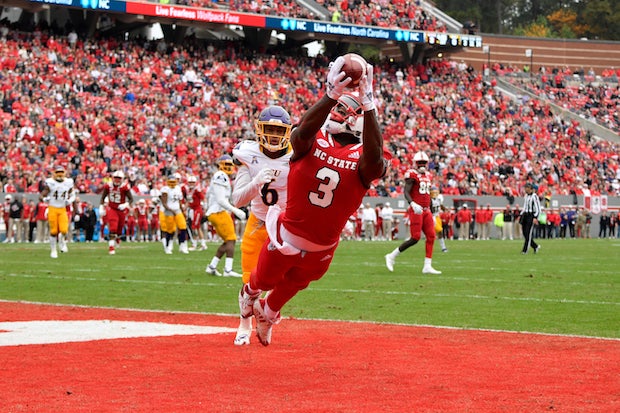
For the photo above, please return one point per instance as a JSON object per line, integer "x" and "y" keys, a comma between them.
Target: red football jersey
{"x": 142, "y": 211}
{"x": 27, "y": 211}
{"x": 195, "y": 197}
{"x": 41, "y": 207}
{"x": 324, "y": 190}
{"x": 421, "y": 190}
{"x": 117, "y": 194}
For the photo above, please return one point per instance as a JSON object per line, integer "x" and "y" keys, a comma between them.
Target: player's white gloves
{"x": 417, "y": 208}
{"x": 337, "y": 80}
{"x": 263, "y": 177}
{"x": 366, "y": 90}
{"x": 76, "y": 218}
{"x": 239, "y": 213}
{"x": 123, "y": 206}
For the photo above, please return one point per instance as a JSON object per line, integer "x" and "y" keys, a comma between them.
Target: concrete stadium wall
{"x": 576, "y": 54}
{"x": 400, "y": 205}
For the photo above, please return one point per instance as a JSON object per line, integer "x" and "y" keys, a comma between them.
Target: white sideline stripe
{"x": 17, "y": 333}
{"x": 334, "y": 320}
{"x": 335, "y": 290}
{"x": 475, "y": 296}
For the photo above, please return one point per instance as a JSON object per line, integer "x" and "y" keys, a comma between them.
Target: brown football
{"x": 355, "y": 67}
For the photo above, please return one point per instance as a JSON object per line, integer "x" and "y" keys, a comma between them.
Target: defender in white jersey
{"x": 218, "y": 214}
{"x": 174, "y": 218}
{"x": 59, "y": 194}
{"x": 437, "y": 208}
{"x": 261, "y": 181}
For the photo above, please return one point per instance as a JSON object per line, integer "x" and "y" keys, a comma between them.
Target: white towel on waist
{"x": 271, "y": 224}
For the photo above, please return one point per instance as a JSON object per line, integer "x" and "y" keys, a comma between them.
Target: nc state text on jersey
{"x": 338, "y": 163}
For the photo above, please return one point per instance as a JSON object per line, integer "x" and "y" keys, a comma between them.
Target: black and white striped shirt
{"x": 532, "y": 205}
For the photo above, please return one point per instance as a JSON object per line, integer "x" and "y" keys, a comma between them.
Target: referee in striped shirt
{"x": 529, "y": 218}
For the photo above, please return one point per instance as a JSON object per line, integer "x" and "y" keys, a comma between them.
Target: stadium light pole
{"x": 486, "y": 49}
{"x": 530, "y": 54}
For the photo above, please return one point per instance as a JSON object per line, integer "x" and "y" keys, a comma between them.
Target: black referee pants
{"x": 527, "y": 222}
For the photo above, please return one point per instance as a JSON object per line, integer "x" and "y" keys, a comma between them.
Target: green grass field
{"x": 570, "y": 287}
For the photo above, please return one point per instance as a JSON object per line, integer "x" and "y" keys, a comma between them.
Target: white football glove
{"x": 336, "y": 79}
{"x": 76, "y": 218}
{"x": 263, "y": 177}
{"x": 239, "y": 213}
{"x": 123, "y": 206}
{"x": 417, "y": 208}
{"x": 366, "y": 90}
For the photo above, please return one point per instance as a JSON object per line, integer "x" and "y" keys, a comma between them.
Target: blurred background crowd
{"x": 149, "y": 107}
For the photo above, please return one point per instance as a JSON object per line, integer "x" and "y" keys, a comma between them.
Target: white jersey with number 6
{"x": 251, "y": 157}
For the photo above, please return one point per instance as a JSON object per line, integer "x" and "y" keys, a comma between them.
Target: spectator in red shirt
{"x": 464, "y": 218}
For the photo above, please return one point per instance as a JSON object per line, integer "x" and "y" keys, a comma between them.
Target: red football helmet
{"x": 421, "y": 161}
{"x": 346, "y": 117}
{"x": 117, "y": 178}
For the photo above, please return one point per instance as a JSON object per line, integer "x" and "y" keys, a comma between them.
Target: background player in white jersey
{"x": 58, "y": 192}
{"x": 173, "y": 216}
{"x": 261, "y": 182}
{"x": 218, "y": 214}
{"x": 437, "y": 208}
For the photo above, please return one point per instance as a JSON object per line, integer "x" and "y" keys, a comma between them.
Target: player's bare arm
{"x": 104, "y": 194}
{"x": 164, "y": 201}
{"x": 407, "y": 191}
{"x": 372, "y": 163}
{"x": 45, "y": 192}
{"x": 130, "y": 197}
{"x": 303, "y": 135}
{"x": 311, "y": 122}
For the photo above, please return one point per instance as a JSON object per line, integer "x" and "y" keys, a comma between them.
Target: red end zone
{"x": 312, "y": 366}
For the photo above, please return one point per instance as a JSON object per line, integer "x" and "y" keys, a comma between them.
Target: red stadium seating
{"x": 149, "y": 107}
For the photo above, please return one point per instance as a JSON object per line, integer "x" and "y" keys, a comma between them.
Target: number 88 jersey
{"x": 421, "y": 189}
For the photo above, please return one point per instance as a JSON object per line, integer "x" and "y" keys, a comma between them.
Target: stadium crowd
{"x": 270, "y": 8}
{"x": 393, "y": 14}
{"x": 594, "y": 100}
{"x": 147, "y": 107}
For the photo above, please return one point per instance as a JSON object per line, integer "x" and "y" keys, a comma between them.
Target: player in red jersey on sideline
{"x": 330, "y": 172}
{"x": 119, "y": 199}
{"x": 418, "y": 184}
{"x": 141, "y": 213}
{"x": 154, "y": 219}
